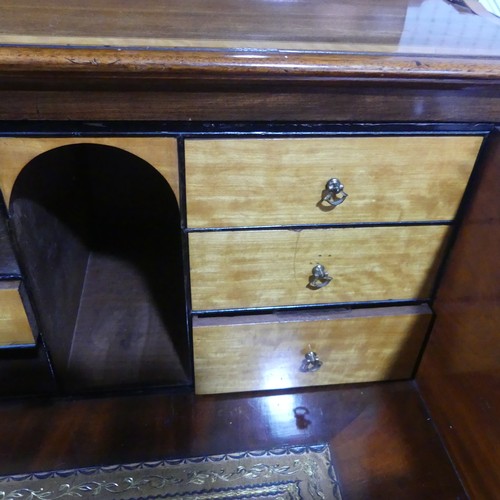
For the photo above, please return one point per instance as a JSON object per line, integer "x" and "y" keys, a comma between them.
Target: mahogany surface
{"x": 383, "y": 442}
{"x": 416, "y": 60}
{"x": 293, "y": 62}
{"x": 460, "y": 372}
{"x": 281, "y": 103}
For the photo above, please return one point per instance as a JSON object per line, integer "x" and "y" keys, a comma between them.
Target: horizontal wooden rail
{"x": 233, "y": 64}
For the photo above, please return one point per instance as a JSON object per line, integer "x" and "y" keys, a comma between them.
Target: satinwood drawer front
{"x": 15, "y": 329}
{"x": 240, "y": 269}
{"x": 268, "y": 182}
{"x": 269, "y": 352}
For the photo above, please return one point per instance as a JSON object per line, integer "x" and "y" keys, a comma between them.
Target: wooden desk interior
{"x": 144, "y": 146}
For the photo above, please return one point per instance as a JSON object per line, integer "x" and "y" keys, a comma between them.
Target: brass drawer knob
{"x": 319, "y": 277}
{"x": 311, "y": 362}
{"x": 334, "y": 193}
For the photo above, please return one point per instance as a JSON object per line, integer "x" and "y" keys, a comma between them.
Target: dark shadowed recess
{"x": 97, "y": 231}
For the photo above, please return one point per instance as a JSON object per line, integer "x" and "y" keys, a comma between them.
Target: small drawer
{"x": 268, "y": 268}
{"x": 269, "y": 182}
{"x": 269, "y": 352}
{"x": 15, "y": 329}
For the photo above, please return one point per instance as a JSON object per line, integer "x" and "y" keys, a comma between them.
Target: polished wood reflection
{"x": 382, "y": 441}
{"x": 459, "y": 376}
{"x": 267, "y": 352}
{"x": 412, "y": 26}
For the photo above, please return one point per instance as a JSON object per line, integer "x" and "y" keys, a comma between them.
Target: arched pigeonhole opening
{"x": 98, "y": 237}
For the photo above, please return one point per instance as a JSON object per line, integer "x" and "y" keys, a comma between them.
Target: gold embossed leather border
{"x": 292, "y": 472}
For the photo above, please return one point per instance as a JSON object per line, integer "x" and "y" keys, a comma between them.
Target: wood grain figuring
{"x": 16, "y": 153}
{"x": 226, "y": 65}
{"x": 132, "y": 338}
{"x": 239, "y": 269}
{"x": 383, "y": 443}
{"x": 263, "y": 182}
{"x": 267, "y": 353}
{"x": 404, "y": 26}
{"x": 377, "y": 102}
{"x": 14, "y": 325}
{"x": 459, "y": 377}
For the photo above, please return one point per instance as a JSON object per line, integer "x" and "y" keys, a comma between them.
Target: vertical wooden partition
{"x": 98, "y": 236}
{"x": 459, "y": 374}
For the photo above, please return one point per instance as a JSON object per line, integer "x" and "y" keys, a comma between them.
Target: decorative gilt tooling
{"x": 288, "y": 473}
